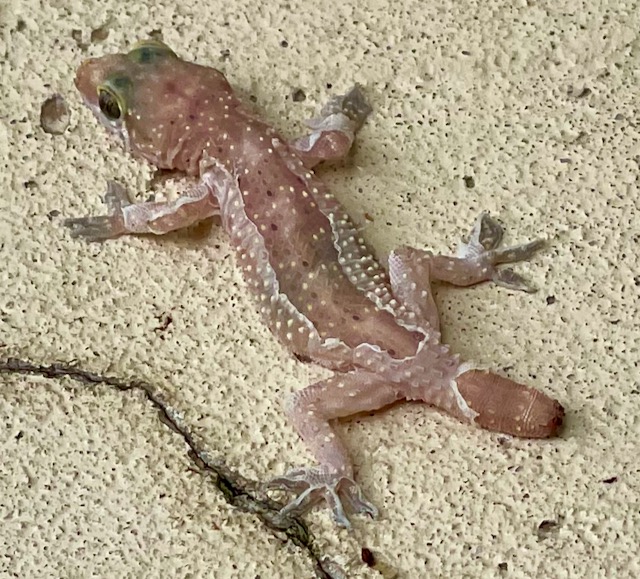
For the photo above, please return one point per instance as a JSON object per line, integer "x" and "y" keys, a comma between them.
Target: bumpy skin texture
{"x": 320, "y": 289}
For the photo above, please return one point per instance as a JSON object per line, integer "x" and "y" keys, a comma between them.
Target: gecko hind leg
{"x": 311, "y": 410}
{"x": 500, "y": 404}
{"x": 334, "y": 130}
{"x": 412, "y": 270}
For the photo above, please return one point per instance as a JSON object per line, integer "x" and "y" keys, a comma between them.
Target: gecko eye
{"x": 109, "y": 104}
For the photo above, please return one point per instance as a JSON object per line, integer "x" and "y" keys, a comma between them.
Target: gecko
{"x": 317, "y": 283}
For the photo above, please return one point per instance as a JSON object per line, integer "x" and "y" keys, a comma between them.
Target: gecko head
{"x": 127, "y": 92}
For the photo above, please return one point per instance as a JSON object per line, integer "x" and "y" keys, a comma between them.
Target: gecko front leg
{"x": 334, "y": 130}
{"x": 125, "y": 217}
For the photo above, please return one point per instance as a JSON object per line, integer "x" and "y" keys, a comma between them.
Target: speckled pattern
{"x": 525, "y": 110}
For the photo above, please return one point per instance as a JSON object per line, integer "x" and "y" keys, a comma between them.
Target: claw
{"x": 315, "y": 485}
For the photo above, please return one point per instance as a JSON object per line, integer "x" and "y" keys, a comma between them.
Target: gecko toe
{"x": 517, "y": 253}
{"x": 316, "y": 485}
{"x": 94, "y": 228}
{"x": 509, "y": 279}
{"x": 483, "y": 249}
{"x": 486, "y": 232}
{"x": 352, "y": 104}
{"x": 116, "y": 196}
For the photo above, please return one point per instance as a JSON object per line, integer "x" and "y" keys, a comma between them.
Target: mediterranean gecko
{"x": 319, "y": 287}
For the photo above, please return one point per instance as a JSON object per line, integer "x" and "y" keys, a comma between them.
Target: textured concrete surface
{"x": 533, "y": 103}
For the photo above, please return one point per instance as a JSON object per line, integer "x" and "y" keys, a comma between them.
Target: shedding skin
{"x": 318, "y": 284}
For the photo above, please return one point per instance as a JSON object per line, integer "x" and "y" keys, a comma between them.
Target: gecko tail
{"x": 509, "y": 407}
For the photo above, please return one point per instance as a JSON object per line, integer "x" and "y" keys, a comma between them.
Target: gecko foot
{"x": 99, "y": 227}
{"x": 314, "y": 485}
{"x": 352, "y": 104}
{"x": 484, "y": 239}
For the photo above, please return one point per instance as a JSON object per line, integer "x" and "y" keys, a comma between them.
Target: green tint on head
{"x": 149, "y": 51}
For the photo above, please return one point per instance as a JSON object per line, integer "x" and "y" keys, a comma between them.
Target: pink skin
{"x": 319, "y": 287}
